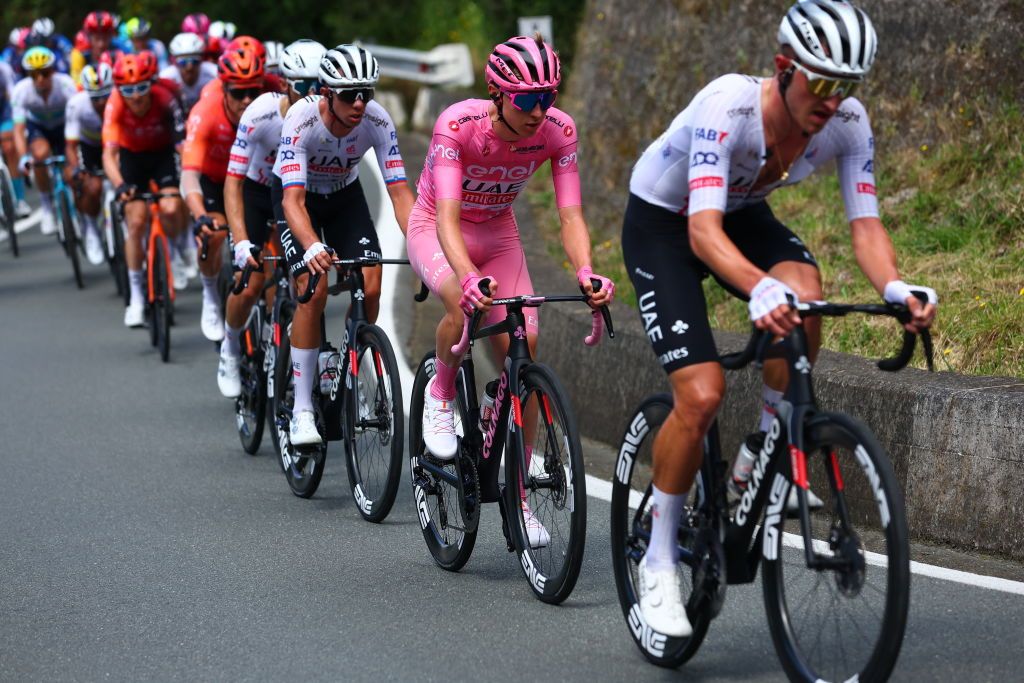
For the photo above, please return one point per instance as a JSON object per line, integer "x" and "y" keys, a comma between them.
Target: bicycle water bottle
{"x": 328, "y": 363}
{"x": 487, "y": 404}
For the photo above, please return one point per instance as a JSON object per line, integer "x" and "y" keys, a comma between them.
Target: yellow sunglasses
{"x": 824, "y": 87}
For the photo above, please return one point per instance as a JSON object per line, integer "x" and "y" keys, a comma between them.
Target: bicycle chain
{"x": 470, "y": 517}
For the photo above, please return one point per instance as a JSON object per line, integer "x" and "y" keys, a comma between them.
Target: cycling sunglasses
{"x": 133, "y": 90}
{"x": 242, "y": 93}
{"x": 44, "y": 73}
{"x": 187, "y": 61}
{"x": 824, "y": 87}
{"x": 350, "y": 95}
{"x": 526, "y": 101}
{"x": 303, "y": 86}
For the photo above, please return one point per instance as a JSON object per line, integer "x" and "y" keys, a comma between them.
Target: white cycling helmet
{"x": 43, "y": 28}
{"x": 185, "y": 44}
{"x": 97, "y": 80}
{"x": 274, "y": 50}
{"x": 222, "y": 29}
{"x": 348, "y": 66}
{"x": 831, "y": 36}
{"x": 301, "y": 59}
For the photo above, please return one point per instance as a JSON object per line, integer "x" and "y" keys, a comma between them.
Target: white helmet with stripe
{"x": 301, "y": 59}
{"x": 831, "y": 36}
{"x": 348, "y": 66}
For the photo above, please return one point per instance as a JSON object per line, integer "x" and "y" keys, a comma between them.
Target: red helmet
{"x": 241, "y": 67}
{"x": 214, "y": 46}
{"x": 247, "y": 43}
{"x": 135, "y": 68}
{"x": 81, "y": 42}
{"x": 99, "y": 22}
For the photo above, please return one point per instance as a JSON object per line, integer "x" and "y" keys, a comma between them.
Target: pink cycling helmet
{"x": 523, "y": 64}
{"x": 196, "y": 23}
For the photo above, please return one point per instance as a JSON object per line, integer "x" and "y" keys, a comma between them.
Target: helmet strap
{"x": 330, "y": 108}
{"x": 498, "y": 102}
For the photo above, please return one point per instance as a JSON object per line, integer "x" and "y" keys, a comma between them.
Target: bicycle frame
{"x": 156, "y": 232}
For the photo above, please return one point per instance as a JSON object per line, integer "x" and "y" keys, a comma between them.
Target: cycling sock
{"x": 90, "y": 224}
{"x": 522, "y": 486}
{"x": 444, "y": 383}
{"x": 19, "y": 188}
{"x": 304, "y": 373}
{"x": 47, "y": 201}
{"x": 210, "y": 294}
{"x": 768, "y": 409}
{"x": 663, "y": 550}
{"x": 135, "y": 280}
{"x": 232, "y": 345}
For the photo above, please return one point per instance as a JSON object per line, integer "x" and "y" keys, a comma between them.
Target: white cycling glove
{"x": 898, "y": 291}
{"x": 25, "y": 164}
{"x": 767, "y": 295}
{"x": 243, "y": 250}
{"x": 314, "y": 249}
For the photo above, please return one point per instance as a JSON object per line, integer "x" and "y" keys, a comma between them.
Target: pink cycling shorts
{"x": 494, "y": 247}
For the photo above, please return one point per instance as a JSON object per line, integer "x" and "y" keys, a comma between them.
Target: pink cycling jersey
{"x": 467, "y": 161}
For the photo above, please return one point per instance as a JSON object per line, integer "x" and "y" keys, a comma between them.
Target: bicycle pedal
{"x": 313, "y": 452}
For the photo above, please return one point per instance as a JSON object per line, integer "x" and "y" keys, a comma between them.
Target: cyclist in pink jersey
{"x": 462, "y": 228}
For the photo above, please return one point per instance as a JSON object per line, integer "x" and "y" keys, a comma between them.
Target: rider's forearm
{"x": 233, "y": 206}
{"x": 713, "y": 247}
{"x": 20, "y": 141}
{"x": 575, "y": 236}
{"x": 402, "y": 199}
{"x": 449, "y": 235}
{"x": 112, "y": 166}
{"x": 71, "y": 152}
{"x": 874, "y": 251}
{"x": 193, "y": 193}
{"x": 294, "y": 205}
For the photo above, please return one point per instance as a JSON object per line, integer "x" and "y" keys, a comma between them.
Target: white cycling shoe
{"x": 211, "y": 322}
{"x": 135, "y": 315}
{"x": 93, "y": 248}
{"x": 535, "y": 531}
{"x": 302, "y": 429}
{"x": 179, "y": 273}
{"x": 22, "y": 209}
{"x": 229, "y": 381}
{"x": 661, "y": 601}
{"x": 47, "y": 222}
{"x": 438, "y": 425}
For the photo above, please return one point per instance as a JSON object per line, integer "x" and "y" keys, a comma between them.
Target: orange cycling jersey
{"x": 208, "y": 137}
{"x": 159, "y": 128}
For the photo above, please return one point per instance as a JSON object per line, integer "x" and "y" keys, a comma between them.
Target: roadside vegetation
{"x": 955, "y": 209}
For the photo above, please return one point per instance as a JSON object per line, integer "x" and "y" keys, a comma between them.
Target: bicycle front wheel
{"x": 162, "y": 300}
{"x": 10, "y": 215}
{"x": 251, "y": 404}
{"x": 845, "y": 621}
{"x": 70, "y": 236}
{"x": 546, "y": 491}
{"x": 374, "y": 425}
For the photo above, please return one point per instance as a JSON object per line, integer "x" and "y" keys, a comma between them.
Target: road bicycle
{"x": 358, "y": 399}
{"x": 546, "y": 486}
{"x": 113, "y": 239}
{"x": 836, "y": 581}
{"x": 8, "y": 212}
{"x": 63, "y": 204}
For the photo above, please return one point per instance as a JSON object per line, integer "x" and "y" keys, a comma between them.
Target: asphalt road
{"x": 138, "y": 542}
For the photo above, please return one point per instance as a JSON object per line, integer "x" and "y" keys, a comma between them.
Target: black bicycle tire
{"x": 162, "y": 302}
{"x": 9, "y": 209}
{"x": 657, "y": 648}
{"x": 371, "y": 336}
{"x": 554, "y": 589}
{"x": 119, "y": 265}
{"x": 70, "y": 237}
{"x": 826, "y": 429}
{"x": 449, "y": 557}
{"x": 252, "y": 365}
{"x": 280, "y": 314}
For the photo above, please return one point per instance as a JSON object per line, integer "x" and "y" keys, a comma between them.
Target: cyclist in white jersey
{"x": 322, "y": 142}
{"x": 188, "y": 69}
{"x": 10, "y": 154}
{"x": 83, "y": 136}
{"x": 248, "y": 199}
{"x": 696, "y": 207}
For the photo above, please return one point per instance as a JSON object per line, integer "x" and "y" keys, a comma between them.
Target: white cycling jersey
{"x": 712, "y": 153}
{"x": 255, "y": 147}
{"x": 190, "y": 93}
{"x": 81, "y": 122}
{"x": 309, "y": 155}
{"x": 7, "y": 80}
{"x": 29, "y": 106}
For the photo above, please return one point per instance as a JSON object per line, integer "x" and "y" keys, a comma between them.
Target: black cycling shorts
{"x": 138, "y": 168}
{"x": 667, "y": 275}
{"x": 213, "y": 195}
{"x": 341, "y": 219}
{"x": 258, "y": 206}
{"x": 92, "y": 158}
{"x": 55, "y": 136}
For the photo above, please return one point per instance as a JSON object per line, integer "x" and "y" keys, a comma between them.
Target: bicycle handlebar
{"x": 204, "y": 237}
{"x": 760, "y": 343}
{"x": 247, "y": 271}
{"x": 362, "y": 262}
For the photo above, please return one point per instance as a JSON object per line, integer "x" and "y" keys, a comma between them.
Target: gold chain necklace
{"x": 778, "y": 155}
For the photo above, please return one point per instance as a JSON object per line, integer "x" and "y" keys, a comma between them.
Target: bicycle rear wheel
{"x": 838, "y": 624}
{"x": 552, "y": 486}
{"x": 374, "y": 429}
{"x": 251, "y": 404}
{"x": 440, "y": 506}
{"x": 631, "y": 532}
{"x": 66, "y": 216}
{"x": 7, "y": 206}
{"x": 303, "y": 468}
{"x": 118, "y": 262}
{"x": 162, "y": 300}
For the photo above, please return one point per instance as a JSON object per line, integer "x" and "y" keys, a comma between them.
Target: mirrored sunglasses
{"x": 303, "y": 86}
{"x": 350, "y": 95}
{"x": 526, "y": 101}
{"x": 824, "y": 87}
{"x": 135, "y": 89}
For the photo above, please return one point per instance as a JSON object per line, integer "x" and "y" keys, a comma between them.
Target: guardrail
{"x": 445, "y": 65}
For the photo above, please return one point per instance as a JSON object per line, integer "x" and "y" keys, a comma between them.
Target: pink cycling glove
{"x": 472, "y": 295}
{"x": 583, "y": 276}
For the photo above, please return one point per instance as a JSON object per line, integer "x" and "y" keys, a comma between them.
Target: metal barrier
{"x": 445, "y": 65}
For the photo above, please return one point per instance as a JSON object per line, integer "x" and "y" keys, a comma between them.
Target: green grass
{"x": 955, "y": 212}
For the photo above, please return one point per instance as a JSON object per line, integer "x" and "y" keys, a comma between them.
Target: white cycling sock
{"x": 47, "y": 201}
{"x": 135, "y": 280}
{"x": 90, "y": 223}
{"x": 768, "y": 408}
{"x": 663, "y": 550}
{"x": 232, "y": 344}
{"x": 304, "y": 372}
{"x": 210, "y": 293}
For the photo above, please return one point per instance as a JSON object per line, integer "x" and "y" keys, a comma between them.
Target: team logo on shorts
{"x": 364, "y": 240}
